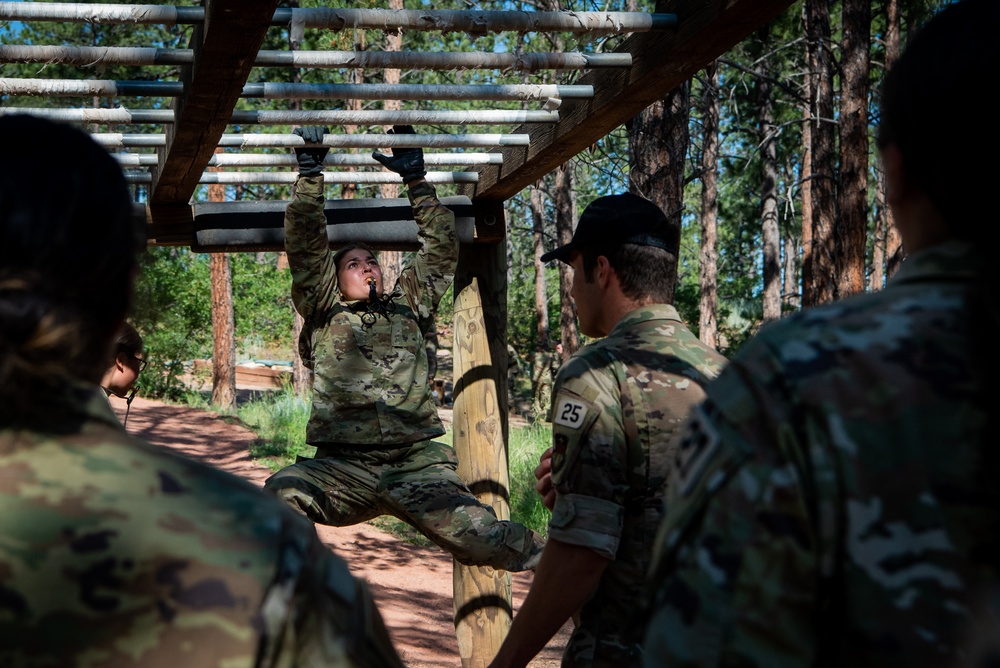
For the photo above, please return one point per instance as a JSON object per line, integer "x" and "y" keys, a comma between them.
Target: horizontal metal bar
{"x": 421, "y": 60}
{"x": 87, "y": 56}
{"x": 332, "y": 159}
{"x": 119, "y": 140}
{"x": 89, "y": 88}
{"x": 117, "y": 115}
{"x": 274, "y": 91}
{"x": 415, "y": 91}
{"x": 98, "y": 13}
{"x": 235, "y": 178}
{"x": 332, "y": 117}
{"x": 474, "y": 22}
{"x": 397, "y": 117}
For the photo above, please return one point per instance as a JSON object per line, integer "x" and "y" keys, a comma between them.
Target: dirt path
{"x": 412, "y": 585}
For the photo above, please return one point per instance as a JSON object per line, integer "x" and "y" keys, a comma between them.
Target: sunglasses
{"x": 142, "y": 362}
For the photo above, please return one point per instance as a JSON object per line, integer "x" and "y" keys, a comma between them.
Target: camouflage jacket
{"x": 118, "y": 553}
{"x": 832, "y": 502}
{"x": 617, "y": 401}
{"x": 370, "y": 384}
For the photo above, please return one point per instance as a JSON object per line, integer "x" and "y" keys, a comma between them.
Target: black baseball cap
{"x": 620, "y": 219}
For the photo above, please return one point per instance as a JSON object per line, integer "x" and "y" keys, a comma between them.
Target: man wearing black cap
{"x": 617, "y": 401}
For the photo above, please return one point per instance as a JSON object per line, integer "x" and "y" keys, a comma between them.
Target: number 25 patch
{"x": 569, "y": 412}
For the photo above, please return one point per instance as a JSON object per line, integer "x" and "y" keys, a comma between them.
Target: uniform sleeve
{"x": 317, "y": 614}
{"x": 733, "y": 577}
{"x": 589, "y": 460}
{"x": 314, "y": 277}
{"x": 429, "y": 275}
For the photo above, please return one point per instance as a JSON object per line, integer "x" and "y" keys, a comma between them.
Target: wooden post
{"x": 482, "y": 596}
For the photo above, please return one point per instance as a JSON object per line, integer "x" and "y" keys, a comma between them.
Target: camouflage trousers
{"x": 416, "y": 483}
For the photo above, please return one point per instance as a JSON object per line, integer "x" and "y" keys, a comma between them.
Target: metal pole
{"x": 332, "y": 117}
{"x": 332, "y": 159}
{"x": 87, "y": 56}
{"x": 273, "y": 91}
{"x": 119, "y": 140}
{"x": 473, "y": 22}
{"x": 234, "y": 178}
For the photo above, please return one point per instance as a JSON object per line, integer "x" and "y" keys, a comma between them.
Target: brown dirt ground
{"x": 412, "y": 585}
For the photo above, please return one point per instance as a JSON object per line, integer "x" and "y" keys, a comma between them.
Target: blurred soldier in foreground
{"x": 114, "y": 552}
{"x": 373, "y": 420}
{"x": 617, "y": 401}
{"x": 835, "y": 499}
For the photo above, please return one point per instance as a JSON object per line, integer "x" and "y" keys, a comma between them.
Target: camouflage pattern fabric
{"x": 373, "y": 417}
{"x": 370, "y": 383}
{"x": 117, "y": 553}
{"x": 617, "y": 401}
{"x": 418, "y": 484}
{"x": 834, "y": 500}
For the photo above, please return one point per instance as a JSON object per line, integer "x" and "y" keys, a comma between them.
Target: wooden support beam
{"x": 482, "y": 596}
{"x": 225, "y": 47}
{"x": 661, "y": 61}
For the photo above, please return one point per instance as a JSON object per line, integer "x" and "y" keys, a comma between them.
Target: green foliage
{"x": 172, "y": 311}
{"x": 279, "y": 420}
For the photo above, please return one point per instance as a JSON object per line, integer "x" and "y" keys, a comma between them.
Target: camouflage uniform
{"x": 616, "y": 403}
{"x": 373, "y": 417}
{"x": 118, "y": 553}
{"x": 832, "y": 501}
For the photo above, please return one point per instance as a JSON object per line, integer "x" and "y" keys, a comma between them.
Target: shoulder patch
{"x": 569, "y": 412}
{"x": 698, "y": 444}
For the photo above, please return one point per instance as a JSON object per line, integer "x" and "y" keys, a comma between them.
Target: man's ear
{"x": 602, "y": 271}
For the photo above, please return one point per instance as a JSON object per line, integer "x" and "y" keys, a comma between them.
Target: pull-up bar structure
{"x": 222, "y": 78}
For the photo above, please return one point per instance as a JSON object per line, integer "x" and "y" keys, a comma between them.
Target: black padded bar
{"x": 385, "y": 224}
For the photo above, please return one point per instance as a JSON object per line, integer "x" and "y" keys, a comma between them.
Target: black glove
{"x": 311, "y": 157}
{"x": 407, "y": 162}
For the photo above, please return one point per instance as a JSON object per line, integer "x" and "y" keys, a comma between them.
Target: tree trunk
{"x": 658, "y": 142}
{"x": 894, "y": 251}
{"x": 301, "y": 375}
{"x": 536, "y": 203}
{"x": 392, "y": 261}
{"x": 806, "y": 186}
{"x": 770, "y": 237}
{"x": 852, "y": 217}
{"x": 223, "y": 319}
{"x": 789, "y": 290}
{"x": 708, "y": 300}
{"x": 819, "y": 288}
{"x": 565, "y": 204}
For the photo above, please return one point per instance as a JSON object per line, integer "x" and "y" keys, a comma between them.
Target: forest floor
{"x": 412, "y": 585}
